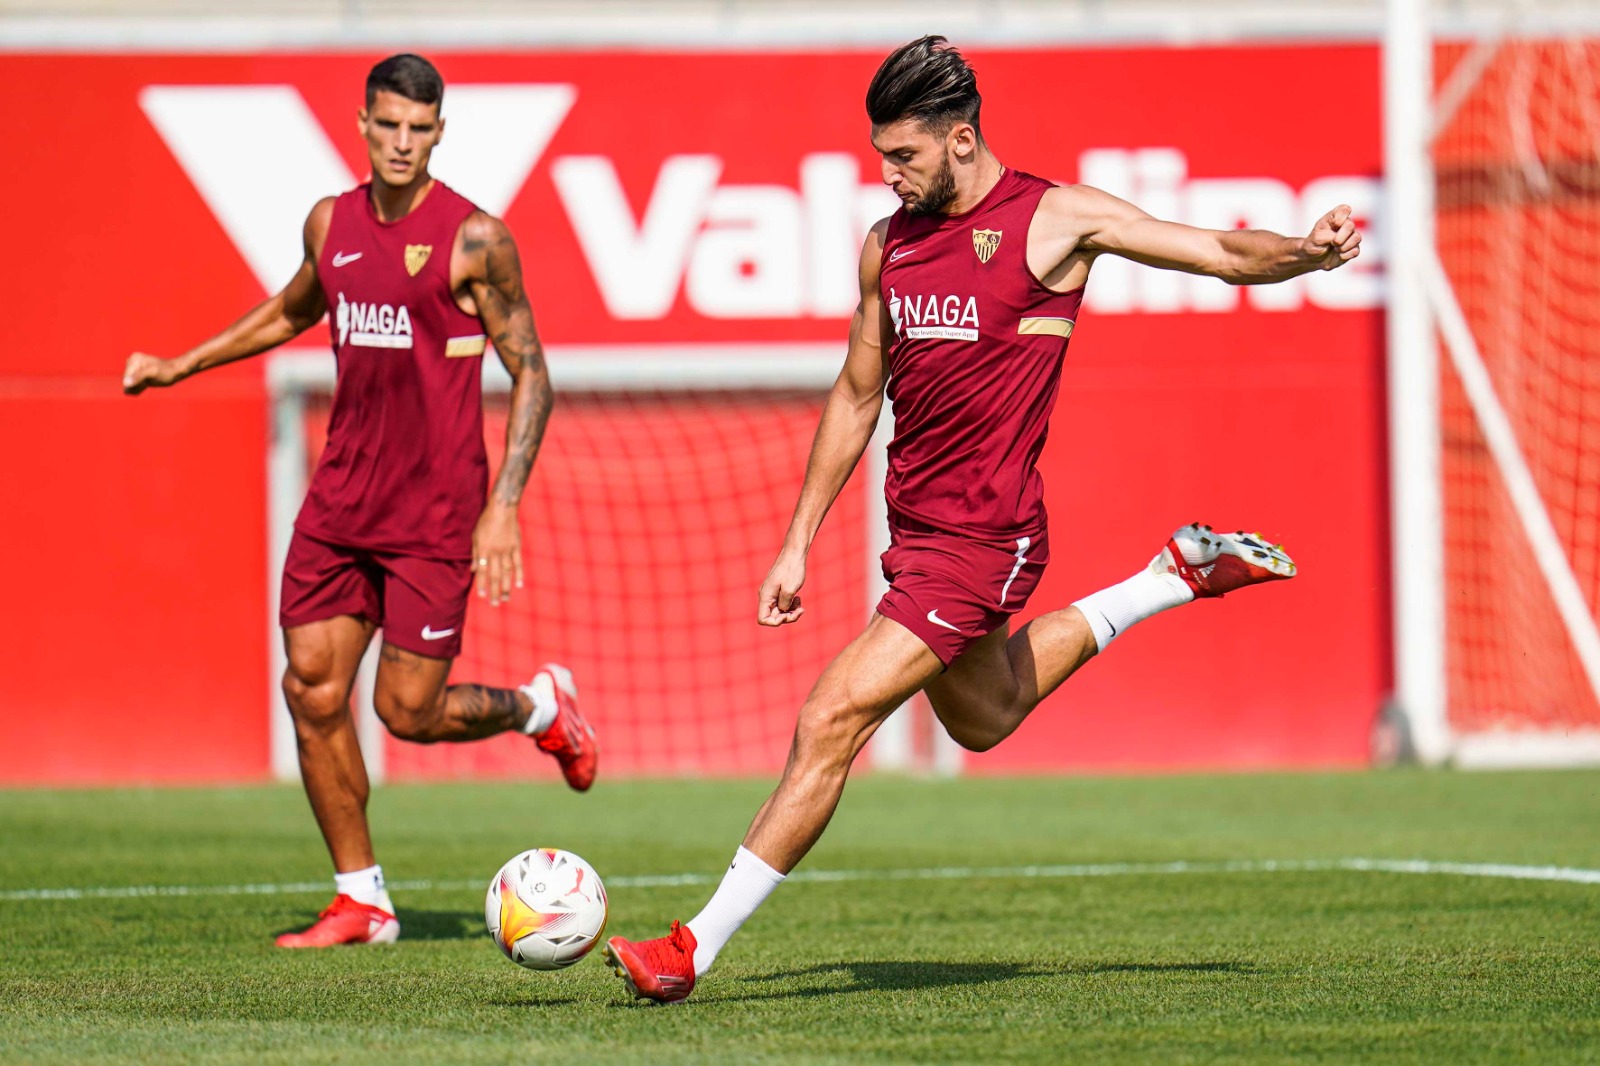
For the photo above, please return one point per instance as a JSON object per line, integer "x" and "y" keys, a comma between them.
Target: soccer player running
{"x": 969, "y": 293}
{"x": 395, "y": 525}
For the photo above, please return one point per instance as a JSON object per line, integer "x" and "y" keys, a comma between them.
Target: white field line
{"x": 938, "y": 873}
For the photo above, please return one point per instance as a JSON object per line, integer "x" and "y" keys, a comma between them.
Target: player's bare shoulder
{"x": 481, "y": 240}
{"x": 484, "y": 265}
{"x": 315, "y": 231}
{"x": 872, "y": 255}
{"x": 1058, "y": 254}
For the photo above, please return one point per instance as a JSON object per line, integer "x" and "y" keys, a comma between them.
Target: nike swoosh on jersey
{"x": 429, "y": 633}
{"x": 933, "y": 616}
{"x": 340, "y": 259}
{"x": 900, "y": 252}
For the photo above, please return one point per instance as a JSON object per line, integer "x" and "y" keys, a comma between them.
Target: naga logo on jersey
{"x": 417, "y": 257}
{"x": 985, "y": 242}
{"x": 372, "y": 325}
{"x": 933, "y": 317}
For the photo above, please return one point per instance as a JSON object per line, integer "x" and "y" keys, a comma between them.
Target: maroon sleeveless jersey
{"x": 404, "y": 469}
{"x": 974, "y": 366}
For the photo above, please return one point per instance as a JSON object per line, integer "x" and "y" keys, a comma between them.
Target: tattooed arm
{"x": 493, "y": 273}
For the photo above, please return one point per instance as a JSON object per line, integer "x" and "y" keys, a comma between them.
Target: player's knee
{"x": 405, "y": 716}
{"x": 979, "y": 720}
{"x": 316, "y": 705}
{"x": 831, "y": 730}
{"x": 976, "y": 737}
{"x": 978, "y": 725}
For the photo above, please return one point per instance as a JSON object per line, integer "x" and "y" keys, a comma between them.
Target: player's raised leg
{"x": 323, "y": 658}
{"x": 999, "y": 680}
{"x": 425, "y": 612}
{"x": 414, "y": 702}
{"x": 876, "y": 672}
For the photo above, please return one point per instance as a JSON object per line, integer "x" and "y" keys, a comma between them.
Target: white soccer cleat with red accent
{"x": 1213, "y": 564}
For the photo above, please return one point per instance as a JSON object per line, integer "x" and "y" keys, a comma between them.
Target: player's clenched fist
{"x": 143, "y": 371}
{"x": 780, "y": 592}
{"x": 1334, "y": 240}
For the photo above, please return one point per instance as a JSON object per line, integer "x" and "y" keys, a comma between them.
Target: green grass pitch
{"x": 1249, "y": 964}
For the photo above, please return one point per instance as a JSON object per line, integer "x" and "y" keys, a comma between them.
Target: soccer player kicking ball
{"x": 394, "y": 525}
{"x": 969, "y": 293}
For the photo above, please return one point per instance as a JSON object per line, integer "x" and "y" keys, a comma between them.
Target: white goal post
{"x": 1426, "y": 321}
{"x": 295, "y": 375}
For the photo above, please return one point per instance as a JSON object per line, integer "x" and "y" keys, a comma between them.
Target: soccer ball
{"x": 546, "y": 909}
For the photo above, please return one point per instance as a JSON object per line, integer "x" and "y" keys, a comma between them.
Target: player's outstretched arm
{"x": 494, "y": 273}
{"x": 276, "y": 320}
{"x": 1085, "y": 219}
{"x": 848, "y": 420}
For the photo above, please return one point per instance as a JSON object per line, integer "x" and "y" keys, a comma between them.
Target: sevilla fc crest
{"x": 985, "y": 242}
{"x": 417, "y": 257}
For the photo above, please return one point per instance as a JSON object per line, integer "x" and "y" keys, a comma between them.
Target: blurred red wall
{"x": 135, "y": 627}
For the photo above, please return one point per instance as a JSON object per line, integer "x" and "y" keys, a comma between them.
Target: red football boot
{"x": 569, "y": 738}
{"x": 346, "y": 922}
{"x": 662, "y": 970}
{"x": 1213, "y": 564}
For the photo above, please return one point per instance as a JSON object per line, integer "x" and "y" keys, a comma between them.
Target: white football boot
{"x": 1213, "y": 564}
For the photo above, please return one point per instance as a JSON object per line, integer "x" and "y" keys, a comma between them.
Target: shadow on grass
{"x": 440, "y": 925}
{"x": 916, "y": 976}
{"x": 428, "y": 925}
{"x": 1160, "y": 967}
{"x": 533, "y": 1001}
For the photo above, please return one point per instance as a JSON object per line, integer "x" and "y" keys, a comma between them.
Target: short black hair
{"x": 927, "y": 80}
{"x": 410, "y": 76}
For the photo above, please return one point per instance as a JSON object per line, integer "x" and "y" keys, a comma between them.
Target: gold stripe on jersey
{"x": 1049, "y": 327}
{"x": 462, "y": 347}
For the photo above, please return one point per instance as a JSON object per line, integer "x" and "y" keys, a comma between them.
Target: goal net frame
{"x": 295, "y": 376}
{"x": 1428, "y": 332}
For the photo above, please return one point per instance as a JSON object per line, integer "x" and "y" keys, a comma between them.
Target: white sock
{"x": 745, "y": 886}
{"x": 1111, "y": 611}
{"x": 364, "y": 886}
{"x": 541, "y": 692}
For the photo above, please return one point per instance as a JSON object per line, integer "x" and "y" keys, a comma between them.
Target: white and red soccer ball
{"x": 546, "y": 909}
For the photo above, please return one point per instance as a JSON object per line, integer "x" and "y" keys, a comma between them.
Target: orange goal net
{"x": 1516, "y": 160}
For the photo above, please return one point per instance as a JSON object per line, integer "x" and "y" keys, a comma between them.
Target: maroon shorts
{"x": 953, "y": 591}
{"x": 420, "y": 603}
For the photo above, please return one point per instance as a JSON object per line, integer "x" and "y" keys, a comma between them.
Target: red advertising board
{"x": 683, "y": 198}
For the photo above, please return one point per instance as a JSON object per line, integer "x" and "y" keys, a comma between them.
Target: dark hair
{"x": 409, "y": 75}
{"x": 926, "y": 80}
